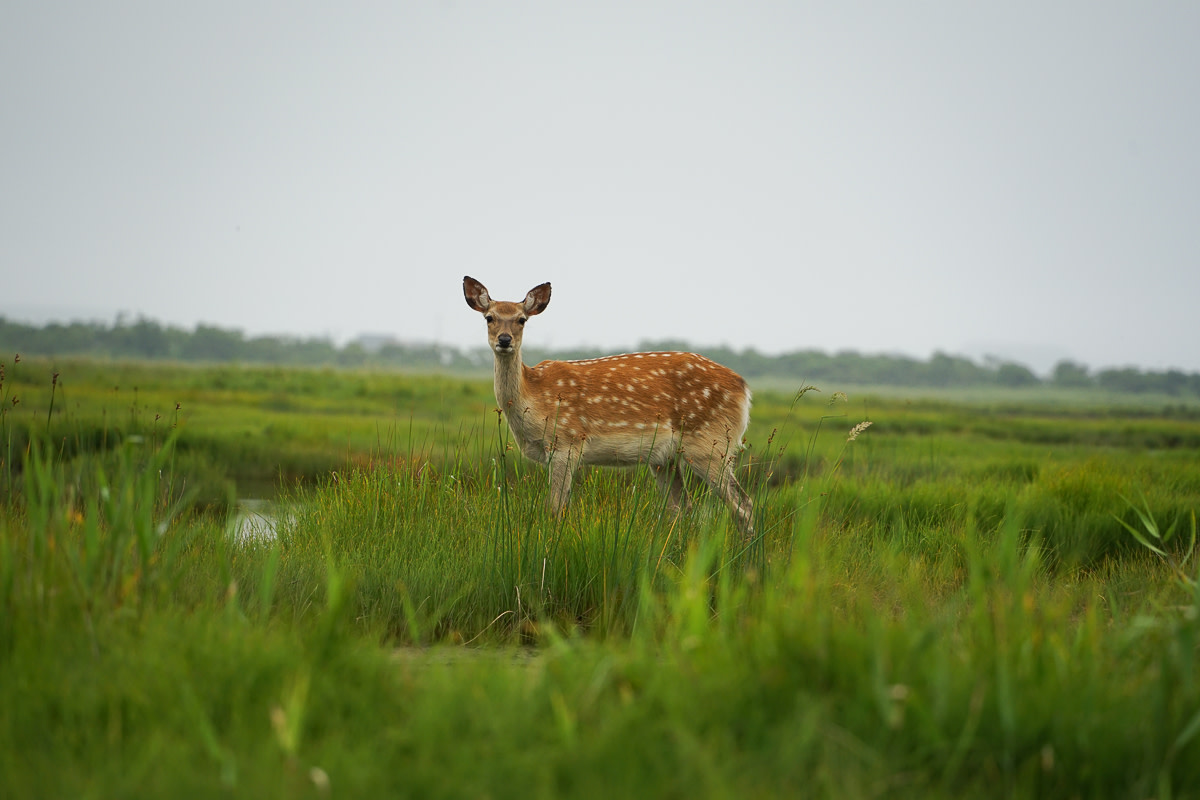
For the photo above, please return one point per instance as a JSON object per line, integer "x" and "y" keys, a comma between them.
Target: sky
{"x": 1017, "y": 179}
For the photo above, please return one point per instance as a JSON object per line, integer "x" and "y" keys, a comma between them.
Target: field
{"x": 992, "y": 596}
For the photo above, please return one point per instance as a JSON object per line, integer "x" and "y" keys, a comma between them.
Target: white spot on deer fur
{"x": 707, "y": 392}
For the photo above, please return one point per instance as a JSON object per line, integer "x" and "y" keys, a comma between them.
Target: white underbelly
{"x": 627, "y": 448}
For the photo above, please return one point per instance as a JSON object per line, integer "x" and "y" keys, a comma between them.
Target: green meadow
{"x": 984, "y": 596}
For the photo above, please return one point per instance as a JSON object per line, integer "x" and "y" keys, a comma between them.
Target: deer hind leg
{"x": 739, "y": 502}
{"x": 669, "y": 478}
{"x": 717, "y": 471}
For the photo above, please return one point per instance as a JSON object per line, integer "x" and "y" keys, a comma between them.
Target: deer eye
{"x": 521, "y": 321}
{"x": 490, "y": 319}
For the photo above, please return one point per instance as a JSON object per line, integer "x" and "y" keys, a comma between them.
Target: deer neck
{"x": 510, "y": 384}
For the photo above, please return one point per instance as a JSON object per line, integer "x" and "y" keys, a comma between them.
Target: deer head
{"x": 505, "y": 321}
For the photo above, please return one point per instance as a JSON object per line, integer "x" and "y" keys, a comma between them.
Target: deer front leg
{"x": 561, "y": 468}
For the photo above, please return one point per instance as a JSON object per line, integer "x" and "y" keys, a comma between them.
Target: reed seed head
{"x": 320, "y": 779}
{"x": 803, "y": 390}
{"x": 857, "y": 429}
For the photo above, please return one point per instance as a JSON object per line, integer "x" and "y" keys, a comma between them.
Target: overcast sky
{"x": 1017, "y": 178}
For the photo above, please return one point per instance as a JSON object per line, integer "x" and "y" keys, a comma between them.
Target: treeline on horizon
{"x": 149, "y": 340}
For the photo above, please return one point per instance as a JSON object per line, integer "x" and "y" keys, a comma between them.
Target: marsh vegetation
{"x": 992, "y": 597}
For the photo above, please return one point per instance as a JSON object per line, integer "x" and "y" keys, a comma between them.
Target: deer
{"x": 673, "y": 411}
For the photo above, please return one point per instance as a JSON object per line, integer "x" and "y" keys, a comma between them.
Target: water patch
{"x": 255, "y": 518}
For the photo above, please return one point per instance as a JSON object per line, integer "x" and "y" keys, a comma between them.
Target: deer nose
{"x": 504, "y": 340}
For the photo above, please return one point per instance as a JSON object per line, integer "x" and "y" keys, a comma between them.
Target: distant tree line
{"x": 146, "y": 339}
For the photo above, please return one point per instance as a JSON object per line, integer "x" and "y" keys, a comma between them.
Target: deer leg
{"x": 561, "y": 469}
{"x": 739, "y": 503}
{"x": 669, "y": 478}
{"x": 718, "y": 474}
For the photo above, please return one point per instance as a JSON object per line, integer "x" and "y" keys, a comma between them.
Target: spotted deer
{"x": 670, "y": 410}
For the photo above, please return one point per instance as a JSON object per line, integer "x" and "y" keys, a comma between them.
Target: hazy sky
{"x": 1017, "y": 178}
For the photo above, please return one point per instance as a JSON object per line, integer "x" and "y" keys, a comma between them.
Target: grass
{"x": 932, "y": 609}
{"x": 244, "y": 430}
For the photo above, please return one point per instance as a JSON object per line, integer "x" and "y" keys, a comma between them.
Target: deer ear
{"x": 476, "y": 294}
{"x": 537, "y": 299}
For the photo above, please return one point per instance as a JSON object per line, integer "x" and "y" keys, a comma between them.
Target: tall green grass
{"x": 149, "y": 654}
{"x": 928, "y": 615}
